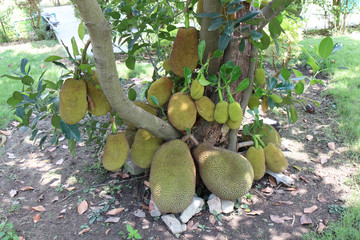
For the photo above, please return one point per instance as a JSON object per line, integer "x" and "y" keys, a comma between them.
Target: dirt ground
{"x": 41, "y": 189}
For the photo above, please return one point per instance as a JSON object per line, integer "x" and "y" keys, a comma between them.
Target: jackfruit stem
{"x": 256, "y": 143}
{"x": 261, "y": 60}
{"x": 230, "y": 97}
{"x": 113, "y": 126}
{"x": 186, "y": 11}
{"x": 219, "y": 90}
{"x": 260, "y": 141}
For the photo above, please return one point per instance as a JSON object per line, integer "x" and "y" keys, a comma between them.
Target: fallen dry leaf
{"x": 290, "y": 189}
{"x": 60, "y": 161}
{"x": 305, "y": 219}
{"x": 309, "y": 137}
{"x": 83, "y": 206}
{"x": 139, "y": 213}
{"x": 272, "y": 181}
{"x": 27, "y": 188}
{"x": 83, "y": 231}
{"x": 56, "y": 198}
{"x": 304, "y": 179}
{"x": 212, "y": 219}
{"x": 41, "y": 197}
{"x": 62, "y": 211}
{"x": 268, "y": 190}
{"x": 107, "y": 232}
{"x": 70, "y": 188}
{"x": 276, "y": 219}
{"x": 112, "y": 220}
{"x": 321, "y": 198}
{"x": 311, "y": 209}
{"x": 194, "y": 226}
{"x": 321, "y": 228}
{"x": 147, "y": 183}
{"x": 38, "y": 208}
{"x": 323, "y": 160}
{"x": 115, "y": 211}
{"x": 286, "y": 218}
{"x": 13, "y": 193}
{"x": 90, "y": 102}
{"x": 51, "y": 149}
{"x": 6, "y": 133}
{"x": 36, "y": 218}
{"x": 279, "y": 203}
{"x": 124, "y": 175}
{"x": 257, "y": 212}
{"x": 331, "y": 145}
{"x": 144, "y": 206}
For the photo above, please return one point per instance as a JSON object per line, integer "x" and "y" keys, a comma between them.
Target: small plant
{"x": 334, "y": 208}
{"x": 7, "y": 231}
{"x": 60, "y": 188}
{"x": 112, "y": 188}
{"x": 14, "y": 207}
{"x": 97, "y": 214}
{"x": 133, "y": 233}
{"x": 218, "y": 216}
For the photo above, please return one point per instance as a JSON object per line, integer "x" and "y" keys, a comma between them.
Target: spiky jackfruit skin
{"x": 166, "y": 65}
{"x": 73, "y": 102}
{"x": 181, "y": 111}
{"x": 235, "y": 111}
{"x": 257, "y": 159}
{"x": 172, "y": 177}
{"x": 144, "y": 106}
{"x": 185, "y": 51}
{"x": 116, "y": 151}
{"x": 275, "y": 159}
{"x": 161, "y": 89}
{"x": 264, "y": 104}
{"x": 225, "y": 173}
{"x": 196, "y": 90}
{"x": 253, "y": 102}
{"x": 221, "y": 113}
{"x": 144, "y": 148}
{"x": 206, "y": 108}
{"x": 270, "y": 135}
{"x": 234, "y": 124}
{"x": 100, "y": 103}
{"x": 260, "y": 76}
{"x": 130, "y": 135}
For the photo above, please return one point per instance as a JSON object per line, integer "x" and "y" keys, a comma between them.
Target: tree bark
{"x": 101, "y": 38}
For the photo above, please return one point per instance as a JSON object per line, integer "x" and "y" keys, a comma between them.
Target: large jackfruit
{"x": 225, "y": 173}
{"x": 260, "y": 76}
{"x": 257, "y": 159}
{"x": 181, "y": 111}
{"x": 275, "y": 159}
{"x": 161, "y": 89}
{"x": 144, "y": 147}
{"x": 196, "y": 90}
{"x": 253, "y": 102}
{"x": 116, "y": 151}
{"x": 101, "y": 105}
{"x": 185, "y": 51}
{"x": 206, "y": 108}
{"x": 221, "y": 113}
{"x": 166, "y": 65}
{"x": 172, "y": 177}
{"x": 144, "y": 106}
{"x": 73, "y": 102}
{"x": 235, "y": 111}
{"x": 234, "y": 124}
{"x": 270, "y": 135}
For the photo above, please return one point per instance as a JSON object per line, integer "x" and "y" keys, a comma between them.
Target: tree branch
{"x": 101, "y": 38}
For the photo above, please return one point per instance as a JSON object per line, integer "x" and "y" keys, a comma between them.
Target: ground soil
{"x": 60, "y": 181}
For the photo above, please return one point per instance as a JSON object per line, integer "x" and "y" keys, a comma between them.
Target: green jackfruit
{"x": 196, "y": 90}
{"x": 172, "y": 177}
{"x": 181, "y": 111}
{"x": 260, "y": 76}
{"x": 275, "y": 159}
{"x": 234, "y": 124}
{"x": 73, "y": 102}
{"x": 116, "y": 151}
{"x": 200, "y": 7}
{"x": 225, "y": 173}
{"x": 100, "y": 105}
{"x": 276, "y": 98}
{"x": 205, "y": 107}
{"x": 161, "y": 89}
{"x": 235, "y": 111}
{"x": 253, "y": 102}
{"x": 185, "y": 51}
{"x": 166, "y": 65}
{"x": 257, "y": 159}
{"x": 264, "y": 104}
{"x": 144, "y": 106}
{"x": 221, "y": 113}
{"x": 270, "y": 135}
{"x": 144, "y": 147}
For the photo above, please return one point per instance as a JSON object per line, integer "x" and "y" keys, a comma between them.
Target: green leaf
{"x": 299, "y": 88}
{"x": 235, "y": 74}
{"x": 234, "y": 9}
{"x": 130, "y": 62}
{"x": 297, "y": 73}
{"x": 201, "y": 49}
{"x": 285, "y": 73}
{"x": 216, "y": 23}
{"x": 81, "y": 31}
{"x": 244, "y": 84}
{"x": 52, "y": 58}
{"x": 74, "y": 46}
{"x": 255, "y": 35}
{"x": 154, "y": 100}
{"x": 132, "y": 94}
{"x": 217, "y": 54}
{"x": 326, "y": 47}
{"x": 115, "y": 15}
{"x": 209, "y": 15}
{"x": 315, "y": 67}
{"x": 229, "y": 28}
{"x": 27, "y": 80}
{"x": 71, "y": 145}
{"x": 265, "y": 40}
{"x": 272, "y": 83}
{"x": 275, "y": 28}
{"x": 203, "y": 80}
{"x": 70, "y": 131}
{"x": 248, "y": 16}
{"x": 293, "y": 114}
{"x": 187, "y": 75}
{"x": 223, "y": 41}
{"x": 23, "y": 64}
{"x": 55, "y": 121}
{"x": 242, "y": 45}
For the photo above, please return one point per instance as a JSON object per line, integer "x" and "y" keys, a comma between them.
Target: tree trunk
{"x": 4, "y": 30}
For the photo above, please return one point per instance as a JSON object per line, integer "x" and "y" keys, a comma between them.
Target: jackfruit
{"x": 200, "y": 7}
{"x": 144, "y": 106}
{"x": 270, "y": 135}
{"x": 181, "y": 111}
{"x": 264, "y": 104}
{"x": 144, "y": 147}
{"x": 276, "y": 98}
{"x": 235, "y": 111}
{"x": 196, "y": 90}
{"x": 257, "y": 159}
{"x": 166, "y": 65}
{"x": 116, "y": 151}
{"x": 172, "y": 177}
{"x": 73, "y": 102}
{"x": 221, "y": 113}
{"x": 100, "y": 103}
{"x": 260, "y": 76}
{"x": 185, "y": 51}
{"x": 234, "y": 124}
{"x": 205, "y": 107}
{"x": 130, "y": 135}
{"x": 253, "y": 102}
{"x": 225, "y": 173}
{"x": 161, "y": 89}
{"x": 275, "y": 159}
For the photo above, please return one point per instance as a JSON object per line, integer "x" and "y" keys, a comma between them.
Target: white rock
{"x": 214, "y": 204}
{"x": 194, "y": 208}
{"x": 227, "y": 206}
{"x": 211, "y": 196}
{"x": 155, "y": 212}
{"x": 173, "y": 223}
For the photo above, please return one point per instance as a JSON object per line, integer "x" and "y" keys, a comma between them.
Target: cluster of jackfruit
{"x": 77, "y": 96}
